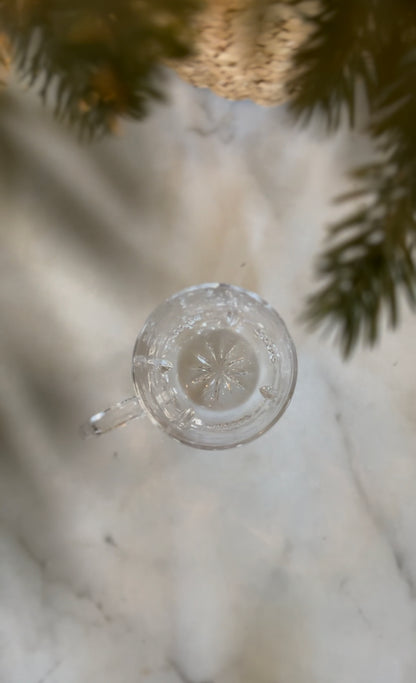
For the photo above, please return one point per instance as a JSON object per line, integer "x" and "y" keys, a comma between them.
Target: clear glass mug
{"x": 214, "y": 366}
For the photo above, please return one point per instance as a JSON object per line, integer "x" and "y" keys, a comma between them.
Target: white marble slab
{"x": 132, "y": 558}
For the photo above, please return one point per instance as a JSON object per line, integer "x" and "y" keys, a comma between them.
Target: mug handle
{"x": 116, "y": 416}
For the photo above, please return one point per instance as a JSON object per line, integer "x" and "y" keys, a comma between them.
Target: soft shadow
{"x": 279, "y": 645}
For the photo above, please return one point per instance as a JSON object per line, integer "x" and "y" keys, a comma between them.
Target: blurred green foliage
{"x": 98, "y": 60}
{"x": 370, "y": 258}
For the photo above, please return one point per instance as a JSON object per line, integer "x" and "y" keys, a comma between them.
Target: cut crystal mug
{"x": 214, "y": 366}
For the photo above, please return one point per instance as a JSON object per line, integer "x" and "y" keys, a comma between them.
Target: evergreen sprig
{"x": 328, "y": 64}
{"x": 371, "y": 258}
{"x": 371, "y": 255}
{"x": 97, "y": 58}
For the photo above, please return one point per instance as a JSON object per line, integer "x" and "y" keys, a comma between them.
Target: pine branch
{"x": 371, "y": 257}
{"x": 328, "y": 65}
{"x": 359, "y": 41}
{"x": 97, "y": 59}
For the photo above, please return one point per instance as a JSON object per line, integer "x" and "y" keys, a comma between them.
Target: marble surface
{"x": 131, "y": 558}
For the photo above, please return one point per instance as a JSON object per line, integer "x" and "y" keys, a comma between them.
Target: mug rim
{"x": 259, "y": 299}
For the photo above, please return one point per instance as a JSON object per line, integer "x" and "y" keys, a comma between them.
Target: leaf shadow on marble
{"x": 42, "y": 194}
{"x": 43, "y": 181}
{"x": 40, "y": 402}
